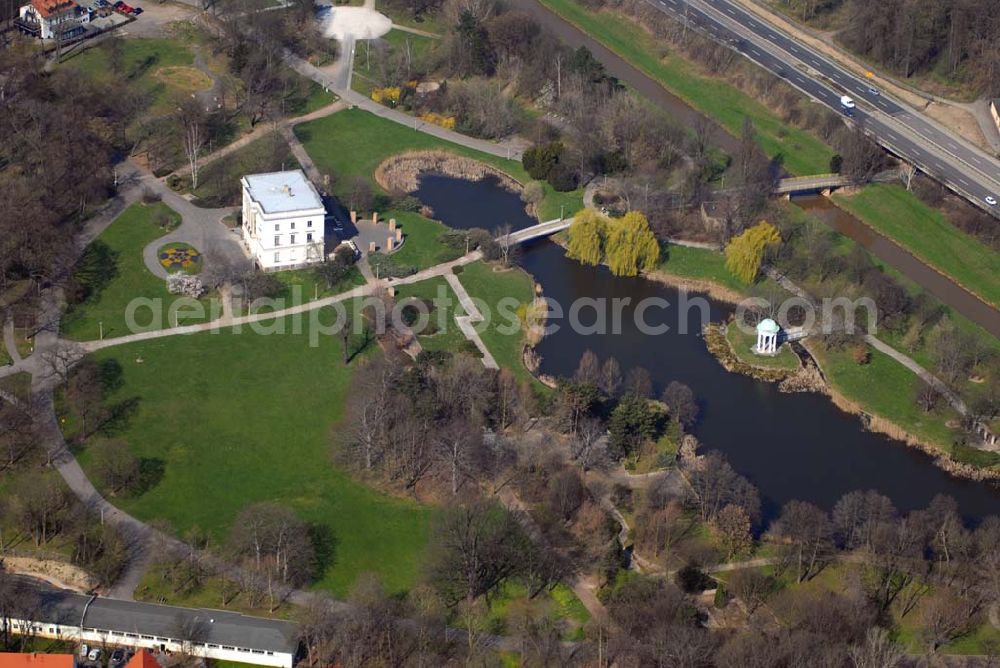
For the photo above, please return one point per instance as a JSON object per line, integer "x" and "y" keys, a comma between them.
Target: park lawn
{"x": 219, "y": 181}
{"x": 701, "y": 264}
{"x": 353, "y": 142}
{"x": 499, "y": 295}
{"x": 801, "y": 152}
{"x": 561, "y": 604}
{"x": 234, "y": 418}
{"x": 303, "y": 285}
{"x": 159, "y": 67}
{"x": 132, "y": 231}
{"x": 885, "y": 388}
{"x": 421, "y": 248}
{"x": 741, "y": 343}
{"x": 442, "y": 332}
{"x": 926, "y": 233}
{"x": 316, "y": 98}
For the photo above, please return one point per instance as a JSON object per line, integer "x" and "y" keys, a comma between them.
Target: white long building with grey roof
{"x": 283, "y": 220}
{"x": 212, "y": 634}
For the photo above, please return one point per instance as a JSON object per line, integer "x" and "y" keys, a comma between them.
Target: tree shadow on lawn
{"x": 325, "y": 544}
{"x": 119, "y": 415}
{"x": 151, "y": 470}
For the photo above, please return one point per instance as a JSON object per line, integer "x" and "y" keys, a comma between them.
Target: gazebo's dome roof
{"x": 767, "y": 326}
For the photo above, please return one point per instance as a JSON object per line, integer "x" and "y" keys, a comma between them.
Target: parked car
{"x": 137, "y": 11}
{"x": 118, "y": 658}
{"x": 95, "y": 654}
{"x": 84, "y": 650}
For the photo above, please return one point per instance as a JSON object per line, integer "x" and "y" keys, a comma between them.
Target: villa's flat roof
{"x": 283, "y": 192}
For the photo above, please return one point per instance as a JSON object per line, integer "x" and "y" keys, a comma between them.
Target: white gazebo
{"x": 767, "y": 337}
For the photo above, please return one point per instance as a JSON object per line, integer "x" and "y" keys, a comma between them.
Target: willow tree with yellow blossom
{"x": 745, "y": 253}
{"x": 631, "y": 246}
{"x": 586, "y": 237}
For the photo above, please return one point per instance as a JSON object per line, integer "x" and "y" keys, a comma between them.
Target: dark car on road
{"x": 118, "y": 658}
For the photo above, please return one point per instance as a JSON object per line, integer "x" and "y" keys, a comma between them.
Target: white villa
{"x": 767, "y": 337}
{"x": 283, "y": 220}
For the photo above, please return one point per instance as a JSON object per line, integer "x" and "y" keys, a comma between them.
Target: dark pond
{"x": 792, "y": 446}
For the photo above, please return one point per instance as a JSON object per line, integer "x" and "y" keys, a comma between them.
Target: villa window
{"x": 277, "y": 227}
{"x": 309, "y": 223}
{"x": 293, "y": 225}
{"x": 293, "y": 239}
{"x": 277, "y": 258}
{"x": 277, "y": 240}
{"x": 309, "y": 236}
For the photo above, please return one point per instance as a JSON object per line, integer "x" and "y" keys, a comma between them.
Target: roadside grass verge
{"x": 926, "y": 233}
{"x": 801, "y": 152}
{"x": 233, "y": 418}
{"x": 353, "y": 142}
{"x": 114, "y": 268}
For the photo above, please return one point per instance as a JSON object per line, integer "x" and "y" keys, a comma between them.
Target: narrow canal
{"x": 791, "y": 446}
{"x": 905, "y": 262}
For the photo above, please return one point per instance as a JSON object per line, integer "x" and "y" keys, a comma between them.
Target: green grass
{"x": 155, "y": 588}
{"x": 926, "y": 233}
{"x": 500, "y": 294}
{"x": 315, "y": 99}
{"x": 742, "y": 342}
{"x": 234, "y": 419}
{"x": 802, "y": 152}
{"x": 303, "y": 285}
{"x": 561, "y": 603}
{"x": 421, "y": 248}
{"x": 884, "y": 387}
{"x": 142, "y": 60}
{"x": 219, "y": 180}
{"x": 442, "y": 331}
{"x": 132, "y": 231}
{"x": 700, "y": 264}
{"x": 353, "y": 142}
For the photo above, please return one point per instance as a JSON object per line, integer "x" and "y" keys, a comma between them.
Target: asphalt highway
{"x": 902, "y": 130}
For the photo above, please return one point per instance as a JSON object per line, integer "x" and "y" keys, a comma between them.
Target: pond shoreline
{"x": 803, "y": 381}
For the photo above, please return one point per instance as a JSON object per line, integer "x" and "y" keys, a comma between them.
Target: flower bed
{"x": 176, "y": 257}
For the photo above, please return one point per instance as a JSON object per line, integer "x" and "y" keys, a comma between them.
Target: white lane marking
{"x": 963, "y": 182}
{"x": 730, "y": 11}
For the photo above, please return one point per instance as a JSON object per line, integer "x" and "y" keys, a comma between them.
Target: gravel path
{"x": 202, "y": 228}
